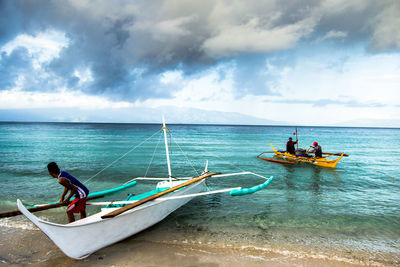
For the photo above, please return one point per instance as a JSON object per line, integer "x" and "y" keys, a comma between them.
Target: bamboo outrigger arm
{"x": 131, "y": 206}
{"x": 235, "y": 191}
{"x": 42, "y": 207}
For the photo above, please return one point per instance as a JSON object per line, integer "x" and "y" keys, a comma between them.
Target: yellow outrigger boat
{"x": 322, "y": 162}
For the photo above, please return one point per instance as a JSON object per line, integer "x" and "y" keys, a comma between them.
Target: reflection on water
{"x": 316, "y": 177}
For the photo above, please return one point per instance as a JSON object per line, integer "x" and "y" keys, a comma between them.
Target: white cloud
{"x": 43, "y": 47}
{"x": 334, "y": 34}
{"x": 84, "y": 75}
{"x": 205, "y": 91}
{"x": 173, "y": 28}
{"x": 253, "y": 38}
{"x": 174, "y": 76}
{"x": 361, "y": 79}
{"x": 362, "y": 86}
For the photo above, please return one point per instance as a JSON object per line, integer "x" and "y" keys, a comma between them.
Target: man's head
{"x": 290, "y": 138}
{"x": 315, "y": 144}
{"x": 53, "y": 169}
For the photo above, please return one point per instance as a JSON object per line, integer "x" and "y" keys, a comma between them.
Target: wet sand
{"x": 20, "y": 247}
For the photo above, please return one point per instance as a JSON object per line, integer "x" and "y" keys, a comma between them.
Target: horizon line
{"x": 201, "y": 124}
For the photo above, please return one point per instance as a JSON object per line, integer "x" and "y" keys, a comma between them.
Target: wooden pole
{"x": 162, "y": 193}
{"x": 44, "y": 207}
{"x": 335, "y": 154}
{"x": 297, "y": 142}
{"x": 332, "y": 154}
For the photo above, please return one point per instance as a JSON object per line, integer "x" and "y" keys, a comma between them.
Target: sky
{"x": 310, "y": 62}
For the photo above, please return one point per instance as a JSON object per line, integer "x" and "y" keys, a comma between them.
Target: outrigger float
{"x": 304, "y": 157}
{"x": 121, "y": 219}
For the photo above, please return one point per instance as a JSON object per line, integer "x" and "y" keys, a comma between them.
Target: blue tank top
{"x": 82, "y": 190}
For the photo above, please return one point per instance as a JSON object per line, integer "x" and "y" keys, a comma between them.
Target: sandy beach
{"x": 31, "y": 247}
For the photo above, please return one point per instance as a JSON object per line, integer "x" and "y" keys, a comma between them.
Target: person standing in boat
{"x": 315, "y": 148}
{"x": 76, "y": 188}
{"x": 290, "y": 146}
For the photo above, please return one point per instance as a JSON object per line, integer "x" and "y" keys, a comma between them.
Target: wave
{"x": 280, "y": 255}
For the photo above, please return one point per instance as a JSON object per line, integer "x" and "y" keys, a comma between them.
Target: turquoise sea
{"x": 349, "y": 214}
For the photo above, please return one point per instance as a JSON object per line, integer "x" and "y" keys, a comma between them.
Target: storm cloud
{"x": 125, "y": 46}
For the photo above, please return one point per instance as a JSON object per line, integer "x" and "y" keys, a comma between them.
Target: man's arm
{"x": 63, "y": 194}
{"x": 68, "y": 186}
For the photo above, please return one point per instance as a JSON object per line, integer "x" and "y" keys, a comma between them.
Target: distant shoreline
{"x": 196, "y": 124}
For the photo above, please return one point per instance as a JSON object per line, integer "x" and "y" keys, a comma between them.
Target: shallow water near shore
{"x": 347, "y": 215}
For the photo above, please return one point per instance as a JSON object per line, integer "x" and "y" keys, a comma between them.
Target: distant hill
{"x": 172, "y": 115}
{"x": 133, "y": 115}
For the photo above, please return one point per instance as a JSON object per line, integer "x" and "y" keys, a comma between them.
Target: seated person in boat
{"x": 315, "y": 148}
{"x": 290, "y": 146}
{"x": 76, "y": 188}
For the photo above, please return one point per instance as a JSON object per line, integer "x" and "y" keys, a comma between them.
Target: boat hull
{"x": 79, "y": 239}
{"x": 275, "y": 160}
{"x": 322, "y": 162}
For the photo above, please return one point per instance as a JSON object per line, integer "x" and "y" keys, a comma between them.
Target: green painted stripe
{"x": 112, "y": 190}
{"x": 143, "y": 196}
{"x": 107, "y": 192}
{"x": 140, "y": 196}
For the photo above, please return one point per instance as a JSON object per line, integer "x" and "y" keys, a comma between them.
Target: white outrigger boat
{"x": 81, "y": 238}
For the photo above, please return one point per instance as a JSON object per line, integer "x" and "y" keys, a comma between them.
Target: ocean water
{"x": 350, "y": 213}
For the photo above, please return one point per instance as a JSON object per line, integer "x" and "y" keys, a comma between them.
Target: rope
{"x": 187, "y": 159}
{"x": 151, "y": 161}
{"x": 223, "y": 160}
{"x": 120, "y": 157}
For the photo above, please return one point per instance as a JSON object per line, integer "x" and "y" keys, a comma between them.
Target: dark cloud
{"x": 352, "y": 18}
{"x": 10, "y": 21}
{"x": 12, "y": 66}
{"x": 128, "y": 44}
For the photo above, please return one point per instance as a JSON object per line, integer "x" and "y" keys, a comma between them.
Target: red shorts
{"x": 77, "y": 205}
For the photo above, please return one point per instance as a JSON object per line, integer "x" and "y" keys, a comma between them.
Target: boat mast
{"x": 166, "y": 150}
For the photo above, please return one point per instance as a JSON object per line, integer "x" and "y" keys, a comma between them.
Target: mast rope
{"x": 154, "y": 152}
{"x": 224, "y": 160}
{"x": 187, "y": 159}
{"x": 109, "y": 165}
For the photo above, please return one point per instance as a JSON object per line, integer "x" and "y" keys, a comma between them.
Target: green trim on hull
{"x": 141, "y": 196}
{"x": 149, "y": 193}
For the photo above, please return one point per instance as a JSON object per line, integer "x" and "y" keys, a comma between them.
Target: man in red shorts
{"x": 76, "y": 188}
